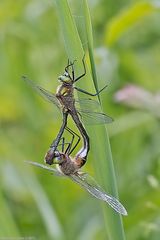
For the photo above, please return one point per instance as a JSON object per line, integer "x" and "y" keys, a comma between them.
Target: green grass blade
{"x": 104, "y": 165}
{"x": 126, "y": 19}
{"x": 8, "y": 224}
{"x": 69, "y": 31}
{"x": 47, "y": 212}
{"x": 101, "y": 149}
{"x": 89, "y": 37}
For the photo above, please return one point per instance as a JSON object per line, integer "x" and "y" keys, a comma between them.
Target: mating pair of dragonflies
{"x": 60, "y": 151}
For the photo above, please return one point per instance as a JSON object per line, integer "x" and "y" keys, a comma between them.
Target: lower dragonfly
{"x": 69, "y": 167}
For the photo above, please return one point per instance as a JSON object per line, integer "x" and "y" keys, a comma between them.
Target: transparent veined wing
{"x": 55, "y": 171}
{"x": 92, "y": 118}
{"x": 89, "y": 184}
{"x": 86, "y": 104}
{"x": 90, "y": 111}
{"x": 48, "y": 96}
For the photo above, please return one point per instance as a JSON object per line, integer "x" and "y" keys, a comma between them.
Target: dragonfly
{"x": 69, "y": 167}
{"x": 65, "y": 101}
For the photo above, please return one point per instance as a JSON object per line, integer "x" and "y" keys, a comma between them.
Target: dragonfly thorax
{"x": 66, "y": 164}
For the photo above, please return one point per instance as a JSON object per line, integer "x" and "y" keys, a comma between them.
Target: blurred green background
{"x": 35, "y": 204}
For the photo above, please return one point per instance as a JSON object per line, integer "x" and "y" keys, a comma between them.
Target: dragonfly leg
{"x": 69, "y": 150}
{"x": 51, "y": 152}
{"x": 73, "y": 76}
{"x": 68, "y": 64}
{"x": 84, "y": 67}
{"x": 57, "y": 140}
{"x": 63, "y": 143}
{"x": 90, "y": 94}
{"x": 71, "y": 142}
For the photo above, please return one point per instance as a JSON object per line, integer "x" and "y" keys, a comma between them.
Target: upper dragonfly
{"x": 64, "y": 100}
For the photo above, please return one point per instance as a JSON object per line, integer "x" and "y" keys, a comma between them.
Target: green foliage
{"x": 126, "y": 19}
{"x": 33, "y": 38}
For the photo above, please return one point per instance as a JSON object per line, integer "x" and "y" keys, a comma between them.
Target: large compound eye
{"x": 66, "y": 74}
{"x": 57, "y": 155}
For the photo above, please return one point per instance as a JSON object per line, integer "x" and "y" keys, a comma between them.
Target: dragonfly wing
{"x": 48, "y": 96}
{"x": 95, "y": 118}
{"x": 90, "y": 111}
{"x": 86, "y": 104}
{"x": 89, "y": 184}
{"x": 52, "y": 170}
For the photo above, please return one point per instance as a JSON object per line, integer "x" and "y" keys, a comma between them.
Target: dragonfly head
{"x": 65, "y": 78}
{"x": 58, "y": 157}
